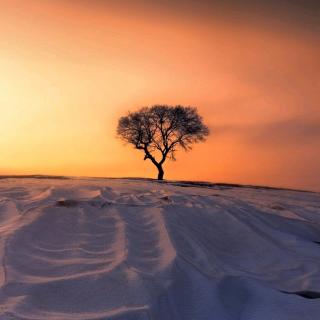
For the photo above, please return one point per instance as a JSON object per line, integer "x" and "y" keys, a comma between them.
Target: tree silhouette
{"x": 160, "y": 130}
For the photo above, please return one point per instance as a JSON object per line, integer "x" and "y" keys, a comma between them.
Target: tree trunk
{"x": 160, "y": 172}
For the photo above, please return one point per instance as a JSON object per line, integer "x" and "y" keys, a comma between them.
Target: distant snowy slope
{"x": 140, "y": 250}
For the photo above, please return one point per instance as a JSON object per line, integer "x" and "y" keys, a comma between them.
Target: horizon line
{"x": 182, "y": 183}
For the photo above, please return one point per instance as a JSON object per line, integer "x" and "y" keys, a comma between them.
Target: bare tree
{"x": 160, "y": 130}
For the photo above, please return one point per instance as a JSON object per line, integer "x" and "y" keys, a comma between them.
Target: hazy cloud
{"x": 284, "y": 133}
{"x": 305, "y": 13}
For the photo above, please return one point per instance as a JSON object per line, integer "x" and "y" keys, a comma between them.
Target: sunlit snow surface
{"x": 137, "y": 250}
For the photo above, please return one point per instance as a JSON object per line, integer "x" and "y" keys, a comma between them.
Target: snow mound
{"x": 140, "y": 250}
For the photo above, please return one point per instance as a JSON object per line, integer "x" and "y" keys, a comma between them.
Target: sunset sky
{"x": 70, "y": 68}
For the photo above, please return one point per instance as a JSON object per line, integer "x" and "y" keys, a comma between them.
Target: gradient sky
{"x": 70, "y": 68}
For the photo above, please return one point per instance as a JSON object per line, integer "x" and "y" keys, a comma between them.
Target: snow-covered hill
{"x": 138, "y": 250}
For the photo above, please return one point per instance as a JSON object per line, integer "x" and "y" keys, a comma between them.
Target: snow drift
{"x": 141, "y": 250}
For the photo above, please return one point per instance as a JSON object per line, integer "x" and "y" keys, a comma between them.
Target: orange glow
{"x": 68, "y": 71}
